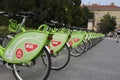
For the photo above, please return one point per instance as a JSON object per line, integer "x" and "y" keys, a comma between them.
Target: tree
{"x": 66, "y": 11}
{"x": 107, "y": 23}
{"x": 76, "y": 3}
{"x": 77, "y": 16}
{"x": 59, "y": 10}
{"x": 76, "y": 13}
{"x": 87, "y": 15}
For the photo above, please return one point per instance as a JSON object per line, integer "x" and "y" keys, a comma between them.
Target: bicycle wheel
{"x": 62, "y": 59}
{"x": 87, "y": 45}
{"x": 91, "y": 44}
{"x": 78, "y": 51}
{"x": 36, "y": 71}
{"x": 81, "y": 47}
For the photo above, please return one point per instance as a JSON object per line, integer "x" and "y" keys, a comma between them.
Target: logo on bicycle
{"x": 55, "y": 43}
{"x": 30, "y": 47}
{"x": 19, "y": 53}
{"x": 70, "y": 43}
{"x": 76, "y": 39}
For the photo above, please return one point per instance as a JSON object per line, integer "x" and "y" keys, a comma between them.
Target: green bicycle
{"x": 24, "y": 52}
{"x": 77, "y": 46}
{"x": 59, "y": 48}
{"x": 60, "y": 54}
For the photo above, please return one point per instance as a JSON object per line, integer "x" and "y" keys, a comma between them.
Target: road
{"x": 102, "y": 62}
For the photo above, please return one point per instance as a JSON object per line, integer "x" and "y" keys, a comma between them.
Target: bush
{"x": 3, "y": 31}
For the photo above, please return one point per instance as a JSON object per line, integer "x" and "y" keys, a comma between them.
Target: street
{"x": 102, "y": 62}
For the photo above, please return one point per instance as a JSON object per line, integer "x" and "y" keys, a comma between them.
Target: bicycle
{"x": 60, "y": 56}
{"x": 24, "y": 53}
{"x": 77, "y": 46}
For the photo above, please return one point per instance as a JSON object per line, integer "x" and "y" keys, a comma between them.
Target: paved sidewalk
{"x": 102, "y": 62}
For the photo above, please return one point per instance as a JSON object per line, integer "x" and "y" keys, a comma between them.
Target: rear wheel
{"x": 81, "y": 47}
{"x": 36, "y": 70}
{"x": 78, "y": 51}
{"x": 87, "y": 45}
{"x": 62, "y": 59}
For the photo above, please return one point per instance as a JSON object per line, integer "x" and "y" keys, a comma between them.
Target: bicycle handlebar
{"x": 50, "y": 24}
{"x": 21, "y": 14}
{"x": 55, "y": 24}
{"x": 27, "y": 14}
{"x": 4, "y": 13}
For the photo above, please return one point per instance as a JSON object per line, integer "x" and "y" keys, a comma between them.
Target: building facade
{"x": 101, "y": 10}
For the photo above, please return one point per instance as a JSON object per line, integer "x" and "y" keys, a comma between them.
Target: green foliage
{"x": 77, "y": 16}
{"x": 3, "y": 30}
{"x": 76, "y": 3}
{"x": 59, "y": 10}
{"x": 66, "y": 11}
{"x": 4, "y": 21}
{"x": 108, "y": 23}
{"x": 87, "y": 15}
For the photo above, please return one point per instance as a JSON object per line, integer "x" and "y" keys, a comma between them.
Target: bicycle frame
{"x": 24, "y": 47}
{"x": 58, "y": 39}
{"x": 76, "y": 38}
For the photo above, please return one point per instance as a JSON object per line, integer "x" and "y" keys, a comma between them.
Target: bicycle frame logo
{"x": 30, "y": 47}
{"x": 76, "y": 39}
{"x": 55, "y": 43}
{"x": 70, "y": 43}
{"x": 19, "y": 53}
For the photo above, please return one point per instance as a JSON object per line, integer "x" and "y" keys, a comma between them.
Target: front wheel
{"x": 37, "y": 70}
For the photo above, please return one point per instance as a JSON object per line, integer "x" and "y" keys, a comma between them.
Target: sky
{"x": 101, "y": 2}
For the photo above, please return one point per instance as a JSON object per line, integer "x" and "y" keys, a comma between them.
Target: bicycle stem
{"x": 23, "y": 22}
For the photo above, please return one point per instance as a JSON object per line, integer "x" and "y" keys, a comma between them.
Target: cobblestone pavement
{"x": 102, "y": 62}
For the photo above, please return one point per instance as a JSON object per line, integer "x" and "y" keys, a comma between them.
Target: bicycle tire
{"x": 78, "y": 51}
{"x": 87, "y": 45}
{"x": 36, "y": 72}
{"x": 90, "y": 43}
{"x": 81, "y": 47}
{"x": 62, "y": 59}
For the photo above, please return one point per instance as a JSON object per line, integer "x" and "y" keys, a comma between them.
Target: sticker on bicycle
{"x": 30, "y": 47}
{"x": 55, "y": 43}
{"x": 70, "y": 43}
{"x": 19, "y": 53}
{"x": 76, "y": 39}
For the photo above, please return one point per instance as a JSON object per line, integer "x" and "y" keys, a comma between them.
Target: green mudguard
{"x": 25, "y": 46}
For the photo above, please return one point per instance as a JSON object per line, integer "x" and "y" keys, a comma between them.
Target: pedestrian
{"x": 118, "y": 34}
